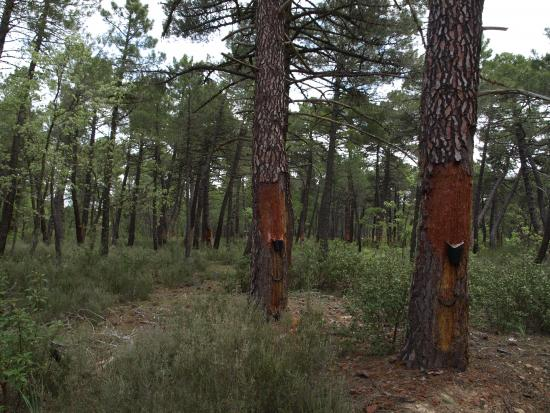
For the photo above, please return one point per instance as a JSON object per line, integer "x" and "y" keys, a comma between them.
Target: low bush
{"x": 378, "y": 298}
{"x": 509, "y": 292}
{"x": 218, "y": 356}
{"x": 26, "y": 362}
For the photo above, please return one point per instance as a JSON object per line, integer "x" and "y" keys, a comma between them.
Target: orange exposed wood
{"x": 449, "y": 208}
{"x": 448, "y": 204}
{"x": 272, "y": 208}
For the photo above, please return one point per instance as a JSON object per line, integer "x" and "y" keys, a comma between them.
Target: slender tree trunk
{"x": 135, "y": 194}
{"x": 543, "y": 250}
{"x": 237, "y": 208}
{"x": 491, "y": 196}
{"x": 79, "y": 229}
{"x": 271, "y": 241}
{"x": 88, "y": 190}
{"x": 522, "y": 150}
{"x": 305, "y": 198}
{"x": 118, "y": 213}
{"x": 107, "y": 183}
{"x": 18, "y": 137}
{"x": 479, "y": 190}
{"x": 540, "y": 189}
{"x": 493, "y": 230}
{"x": 437, "y": 336}
{"x": 9, "y": 6}
{"x": 57, "y": 214}
{"x": 232, "y": 175}
{"x": 313, "y": 218}
{"x": 326, "y": 198}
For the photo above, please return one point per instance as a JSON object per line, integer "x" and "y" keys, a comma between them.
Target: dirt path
{"x": 506, "y": 374}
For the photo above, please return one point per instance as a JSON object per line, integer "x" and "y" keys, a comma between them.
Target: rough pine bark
{"x": 438, "y": 311}
{"x": 270, "y": 238}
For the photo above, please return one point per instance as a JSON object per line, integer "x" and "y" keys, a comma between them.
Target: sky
{"x": 525, "y": 19}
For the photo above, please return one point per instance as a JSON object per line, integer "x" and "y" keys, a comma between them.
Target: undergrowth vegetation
{"x": 217, "y": 356}
{"x": 222, "y": 352}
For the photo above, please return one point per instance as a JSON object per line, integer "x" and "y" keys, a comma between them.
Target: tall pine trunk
{"x": 438, "y": 311}
{"x": 270, "y": 193}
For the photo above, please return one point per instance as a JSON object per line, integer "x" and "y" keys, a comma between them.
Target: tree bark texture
{"x": 270, "y": 195}
{"x": 438, "y": 309}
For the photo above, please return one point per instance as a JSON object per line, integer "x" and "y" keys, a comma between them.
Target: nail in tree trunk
{"x": 18, "y": 137}
{"x": 135, "y": 193}
{"x": 438, "y": 311}
{"x": 232, "y": 175}
{"x": 270, "y": 193}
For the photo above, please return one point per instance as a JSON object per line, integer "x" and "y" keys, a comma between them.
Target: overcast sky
{"x": 525, "y": 19}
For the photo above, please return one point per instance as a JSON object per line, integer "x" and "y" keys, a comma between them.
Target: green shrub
{"x": 509, "y": 292}
{"x": 379, "y": 297}
{"x": 25, "y": 362}
{"x": 218, "y": 356}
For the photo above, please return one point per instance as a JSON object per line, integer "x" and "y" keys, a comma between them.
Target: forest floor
{"x": 507, "y": 373}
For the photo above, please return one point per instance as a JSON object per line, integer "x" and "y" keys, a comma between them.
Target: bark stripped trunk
{"x": 438, "y": 310}
{"x": 270, "y": 238}
{"x": 232, "y": 175}
{"x": 18, "y": 137}
{"x": 326, "y": 198}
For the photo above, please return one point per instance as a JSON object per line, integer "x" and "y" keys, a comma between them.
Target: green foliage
{"x": 378, "y": 299}
{"x": 218, "y": 356}
{"x": 510, "y": 293}
{"x": 24, "y": 343}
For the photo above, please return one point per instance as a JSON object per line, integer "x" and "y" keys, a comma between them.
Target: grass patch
{"x": 218, "y": 356}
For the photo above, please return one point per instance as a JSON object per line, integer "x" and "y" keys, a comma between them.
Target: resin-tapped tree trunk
{"x": 270, "y": 237}
{"x": 438, "y": 311}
